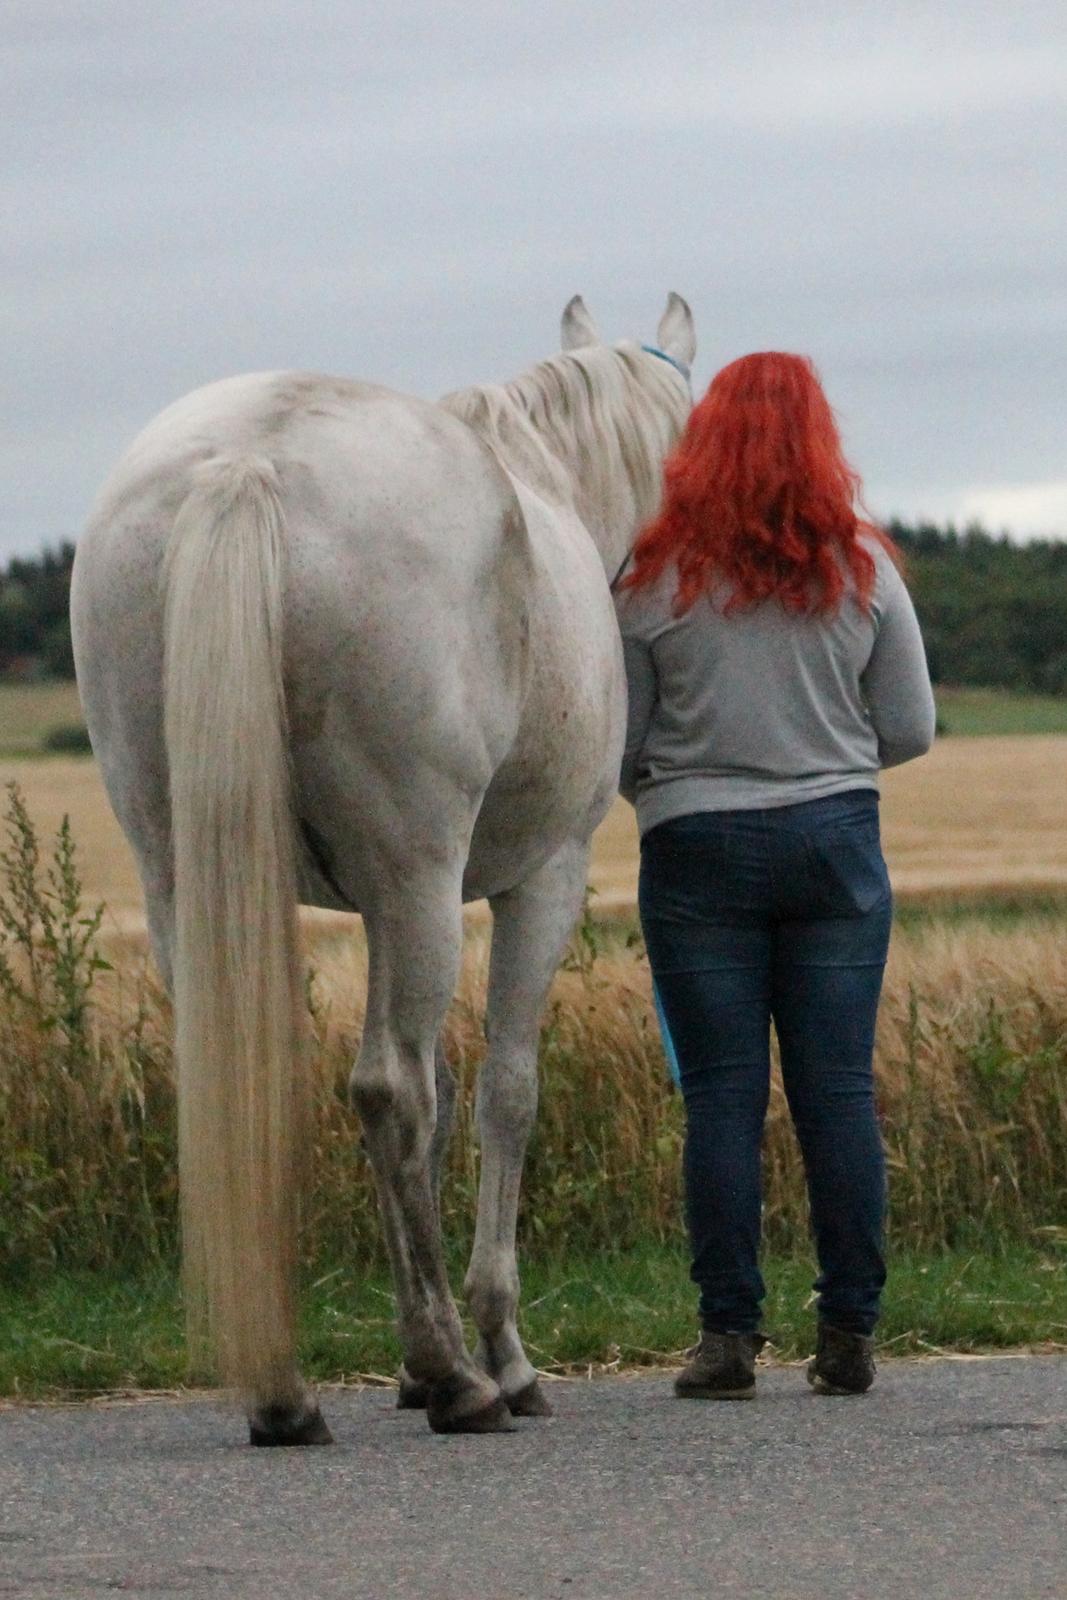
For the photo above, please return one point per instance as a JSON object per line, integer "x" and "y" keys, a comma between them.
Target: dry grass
{"x": 972, "y": 1049}
{"x": 971, "y": 1064}
{"x": 975, "y": 814}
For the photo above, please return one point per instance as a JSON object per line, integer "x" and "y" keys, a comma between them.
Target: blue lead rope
{"x": 665, "y": 1034}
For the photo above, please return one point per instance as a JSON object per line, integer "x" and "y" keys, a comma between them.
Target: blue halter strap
{"x": 679, "y": 366}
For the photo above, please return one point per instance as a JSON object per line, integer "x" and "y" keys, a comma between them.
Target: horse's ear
{"x": 676, "y": 334}
{"x": 577, "y": 326}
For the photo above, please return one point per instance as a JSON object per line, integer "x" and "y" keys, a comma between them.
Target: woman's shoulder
{"x": 888, "y": 580}
{"x": 646, "y": 611}
{"x": 869, "y": 540}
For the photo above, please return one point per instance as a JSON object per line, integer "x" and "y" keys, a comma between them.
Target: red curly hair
{"x": 759, "y": 497}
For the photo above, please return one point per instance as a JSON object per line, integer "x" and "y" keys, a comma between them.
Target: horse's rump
{"x": 406, "y": 565}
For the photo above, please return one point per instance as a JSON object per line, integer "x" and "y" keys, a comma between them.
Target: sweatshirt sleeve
{"x": 896, "y": 680}
{"x": 641, "y": 692}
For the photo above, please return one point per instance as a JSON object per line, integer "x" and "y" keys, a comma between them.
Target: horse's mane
{"x": 587, "y": 428}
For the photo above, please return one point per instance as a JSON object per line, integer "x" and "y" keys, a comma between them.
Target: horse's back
{"x": 358, "y": 452}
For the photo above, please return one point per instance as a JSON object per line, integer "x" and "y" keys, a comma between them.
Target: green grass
{"x": 80, "y": 1334}
{"x": 618, "y": 929}
{"x": 29, "y": 711}
{"x": 1003, "y": 909}
{"x": 971, "y": 712}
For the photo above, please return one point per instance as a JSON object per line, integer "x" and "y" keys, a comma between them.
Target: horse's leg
{"x": 412, "y": 1396}
{"x": 445, "y": 1084}
{"x": 159, "y": 913}
{"x": 531, "y": 925}
{"x": 415, "y": 944}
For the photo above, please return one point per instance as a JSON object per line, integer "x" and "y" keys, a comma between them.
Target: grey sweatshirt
{"x": 764, "y": 708}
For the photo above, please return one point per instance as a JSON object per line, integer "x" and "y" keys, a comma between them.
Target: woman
{"x": 774, "y": 665}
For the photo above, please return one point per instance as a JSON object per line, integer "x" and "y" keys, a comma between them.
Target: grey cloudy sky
{"x": 410, "y": 191}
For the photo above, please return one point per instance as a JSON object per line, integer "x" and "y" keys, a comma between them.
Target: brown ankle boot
{"x": 721, "y": 1367}
{"x": 843, "y": 1362}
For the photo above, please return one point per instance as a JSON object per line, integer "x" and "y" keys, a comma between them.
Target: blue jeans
{"x": 783, "y": 915}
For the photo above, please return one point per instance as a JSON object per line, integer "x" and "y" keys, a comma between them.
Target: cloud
{"x": 410, "y": 193}
{"x": 1023, "y": 510}
{"x": 1027, "y": 509}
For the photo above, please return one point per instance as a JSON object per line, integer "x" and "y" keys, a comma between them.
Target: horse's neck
{"x": 613, "y": 533}
{"x": 602, "y": 481}
{"x": 611, "y": 518}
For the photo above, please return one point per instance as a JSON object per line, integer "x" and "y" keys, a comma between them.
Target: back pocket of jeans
{"x": 847, "y": 869}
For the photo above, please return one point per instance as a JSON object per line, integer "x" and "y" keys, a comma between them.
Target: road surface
{"x": 949, "y": 1479}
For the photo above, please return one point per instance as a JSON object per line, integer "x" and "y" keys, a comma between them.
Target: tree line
{"x": 993, "y": 613}
{"x": 34, "y": 615}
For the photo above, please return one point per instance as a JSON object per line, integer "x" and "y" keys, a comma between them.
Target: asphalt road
{"x": 949, "y": 1479}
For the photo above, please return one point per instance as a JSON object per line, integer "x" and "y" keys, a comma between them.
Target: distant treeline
{"x": 994, "y": 613}
{"x": 34, "y": 615}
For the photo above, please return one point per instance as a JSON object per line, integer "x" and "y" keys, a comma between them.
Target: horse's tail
{"x": 237, "y": 971}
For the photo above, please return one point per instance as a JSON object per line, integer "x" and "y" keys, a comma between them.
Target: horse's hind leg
{"x": 531, "y": 925}
{"x": 414, "y": 940}
{"x": 445, "y": 1085}
{"x": 412, "y": 1396}
{"x": 159, "y": 913}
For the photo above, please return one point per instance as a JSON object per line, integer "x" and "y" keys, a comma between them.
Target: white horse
{"x": 342, "y": 646}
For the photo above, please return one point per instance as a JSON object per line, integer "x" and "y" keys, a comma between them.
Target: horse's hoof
{"x": 278, "y": 1426}
{"x": 411, "y": 1395}
{"x": 458, "y": 1406}
{"x": 529, "y": 1402}
{"x": 493, "y": 1418}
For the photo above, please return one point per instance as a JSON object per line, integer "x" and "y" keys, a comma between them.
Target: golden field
{"x": 973, "y": 815}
